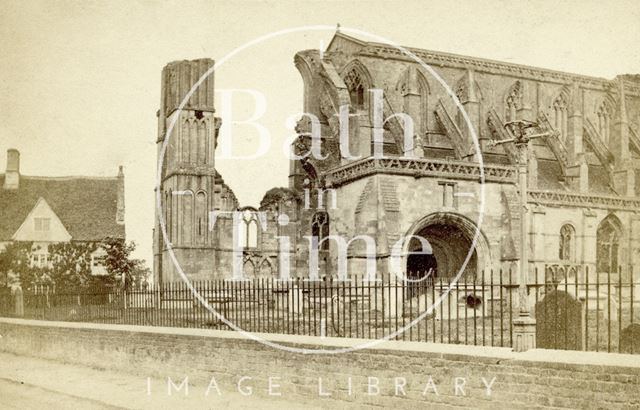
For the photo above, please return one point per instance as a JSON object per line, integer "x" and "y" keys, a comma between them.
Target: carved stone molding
{"x": 569, "y": 199}
{"x": 420, "y": 168}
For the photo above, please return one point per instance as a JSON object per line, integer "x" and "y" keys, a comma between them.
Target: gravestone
{"x": 559, "y": 322}
{"x": 630, "y": 339}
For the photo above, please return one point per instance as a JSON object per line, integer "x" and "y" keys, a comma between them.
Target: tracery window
{"x": 567, "y": 242}
{"x": 320, "y": 229}
{"x": 608, "y": 246}
{"x": 249, "y": 229}
{"x": 356, "y": 89}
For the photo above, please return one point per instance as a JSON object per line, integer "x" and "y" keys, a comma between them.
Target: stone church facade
{"x": 584, "y": 184}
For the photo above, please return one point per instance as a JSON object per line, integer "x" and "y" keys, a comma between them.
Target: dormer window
{"x": 41, "y": 224}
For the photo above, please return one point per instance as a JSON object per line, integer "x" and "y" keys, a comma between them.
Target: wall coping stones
{"x": 552, "y": 358}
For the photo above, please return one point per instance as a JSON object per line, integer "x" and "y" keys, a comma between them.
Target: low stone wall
{"x": 393, "y": 374}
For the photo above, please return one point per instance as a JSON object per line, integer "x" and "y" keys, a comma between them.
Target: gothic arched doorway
{"x": 608, "y": 238}
{"x": 451, "y": 241}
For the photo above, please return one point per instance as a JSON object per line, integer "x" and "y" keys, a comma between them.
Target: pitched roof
{"x": 87, "y": 206}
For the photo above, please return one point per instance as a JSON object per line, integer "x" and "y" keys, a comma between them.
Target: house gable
{"x": 42, "y": 225}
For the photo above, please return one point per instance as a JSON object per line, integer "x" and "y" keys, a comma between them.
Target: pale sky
{"x": 80, "y": 81}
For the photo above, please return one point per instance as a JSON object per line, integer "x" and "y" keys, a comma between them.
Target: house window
{"x": 41, "y": 224}
{"x": 98, "y": 262}
{"x": 39, "y": 260}
{"x": 567, "y": 239}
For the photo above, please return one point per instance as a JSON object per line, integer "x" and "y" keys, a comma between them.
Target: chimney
{"x": 12, "y": 176}
{"x": 120, "y": 200}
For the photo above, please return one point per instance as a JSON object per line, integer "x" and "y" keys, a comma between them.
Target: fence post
{"x": 19, "y": 302}
{"x": 524, "y": 334}
{"x": 524, "y": 326}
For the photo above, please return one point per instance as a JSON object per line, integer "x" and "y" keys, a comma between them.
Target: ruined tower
{"x": 186, "y": 143}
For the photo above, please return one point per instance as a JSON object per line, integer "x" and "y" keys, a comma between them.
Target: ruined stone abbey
{"x": 583, "y": 185}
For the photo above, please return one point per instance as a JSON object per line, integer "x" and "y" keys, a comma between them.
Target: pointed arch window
{"x": 356, "y": 88}
{"x": 608, "y": 246}
{"x": 604, "y": 121}
{"x": 266, "y": 270}
{"x": 249, "y": 229}
{"x": 567, "y": 243}
{"x": 320, "y": 229}
{"x": 201, "y": 218}
{"x": 560, "y": 115}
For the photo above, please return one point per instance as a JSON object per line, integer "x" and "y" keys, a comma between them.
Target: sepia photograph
{"x": 319, "y": 204}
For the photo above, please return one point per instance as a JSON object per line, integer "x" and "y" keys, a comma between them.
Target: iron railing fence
{"x": 477, "y": 311}
{"x": 577, "y": 308}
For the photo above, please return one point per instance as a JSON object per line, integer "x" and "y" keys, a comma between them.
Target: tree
{"x": 122, "y": 269}
{"x": 70, "y": 268}
{"x": 15, "y": 266}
